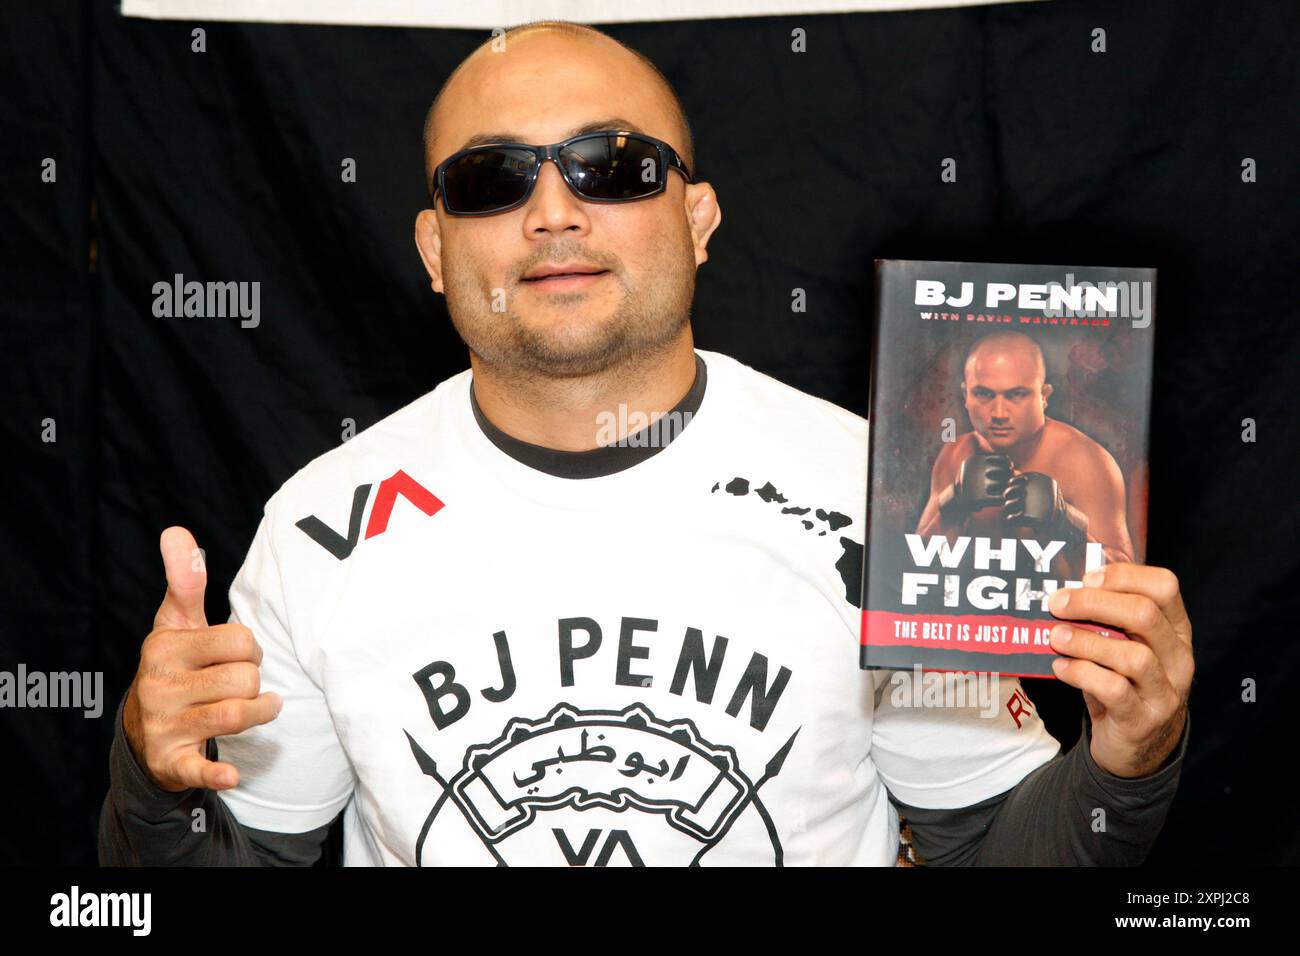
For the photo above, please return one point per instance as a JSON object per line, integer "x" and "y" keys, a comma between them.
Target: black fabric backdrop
{"x": 225, "y": 165}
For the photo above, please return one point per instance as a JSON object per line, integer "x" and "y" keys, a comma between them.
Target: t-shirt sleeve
{"x": 950, "y": 740}
{"x": 294, "y": 774}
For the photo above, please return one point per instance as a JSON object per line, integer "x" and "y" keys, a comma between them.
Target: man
{"x": 482, "y": 637}
{"x": 1018, "y": 470}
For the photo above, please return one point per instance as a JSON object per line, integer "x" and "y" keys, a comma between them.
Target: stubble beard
{"x": 642, "y": 327}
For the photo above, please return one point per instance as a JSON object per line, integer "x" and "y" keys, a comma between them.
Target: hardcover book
{"x": 1009, "y": 416}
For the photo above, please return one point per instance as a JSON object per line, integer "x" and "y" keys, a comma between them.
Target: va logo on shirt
{"x": 599, "y": 788}
{"x": 399, "y": 483}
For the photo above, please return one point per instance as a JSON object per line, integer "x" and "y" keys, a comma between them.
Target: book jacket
{"x": 1009, "y": 415}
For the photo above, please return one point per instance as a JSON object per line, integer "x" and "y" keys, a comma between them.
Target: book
{"x": 1009, "y": 413}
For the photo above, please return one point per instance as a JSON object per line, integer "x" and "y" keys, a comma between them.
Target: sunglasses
{"x": 608, "y": 166}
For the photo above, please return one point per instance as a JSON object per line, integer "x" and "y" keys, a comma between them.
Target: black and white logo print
{"x": 602, "y": 788}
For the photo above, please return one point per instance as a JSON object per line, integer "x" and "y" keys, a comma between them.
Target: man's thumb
{"x": 187, "y": 577}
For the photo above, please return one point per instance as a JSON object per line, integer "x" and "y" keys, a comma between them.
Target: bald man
{"x": 1019, "y": 472}
{"x": 517, "y": 623}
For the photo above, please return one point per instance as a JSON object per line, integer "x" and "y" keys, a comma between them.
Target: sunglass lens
{"x": 487, "y": 180}
{"x": 613, "y": 167}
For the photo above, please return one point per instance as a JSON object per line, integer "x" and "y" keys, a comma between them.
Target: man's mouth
{"x": 564, "y": 277}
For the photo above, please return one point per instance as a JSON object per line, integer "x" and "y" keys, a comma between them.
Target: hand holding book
{"x": 1135, "y": 690}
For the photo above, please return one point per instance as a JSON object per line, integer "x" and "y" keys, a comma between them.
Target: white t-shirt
{"x": 485, "y": 663}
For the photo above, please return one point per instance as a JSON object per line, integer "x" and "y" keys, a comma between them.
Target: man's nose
{"x": 553, "y": 205}
{"x": 999, "y": 408}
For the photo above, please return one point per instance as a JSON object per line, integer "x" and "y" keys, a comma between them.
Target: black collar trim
{"x": 606, "y": 459}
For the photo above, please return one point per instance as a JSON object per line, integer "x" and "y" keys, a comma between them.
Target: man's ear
{"x": 703, "y": 214}
{"x": 1047, "y": 393}
{"x": 428, "y": 239}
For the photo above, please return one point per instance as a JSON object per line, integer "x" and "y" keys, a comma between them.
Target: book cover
{"x": 1009, "y": 415}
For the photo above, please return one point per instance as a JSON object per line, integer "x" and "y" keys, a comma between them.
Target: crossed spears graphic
{"x": 429, "y": 767}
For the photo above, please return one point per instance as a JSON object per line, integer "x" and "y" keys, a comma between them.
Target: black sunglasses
{"x": 607, "y": 166}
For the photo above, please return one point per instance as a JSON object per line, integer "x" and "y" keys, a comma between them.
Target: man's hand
{"x": 194, "y": 682}
{"x": 1136, "y": 690}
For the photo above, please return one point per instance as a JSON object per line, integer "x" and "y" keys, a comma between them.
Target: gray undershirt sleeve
{"x": 141, "y": 824}
{"x": 1068, "y": 812}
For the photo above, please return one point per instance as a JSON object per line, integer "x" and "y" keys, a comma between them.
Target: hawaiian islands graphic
{"x": 849, "y": 564}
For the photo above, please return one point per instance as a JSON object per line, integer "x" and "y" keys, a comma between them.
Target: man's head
{"x": 539, "y": 84}
{"x": 1005, "y": 388}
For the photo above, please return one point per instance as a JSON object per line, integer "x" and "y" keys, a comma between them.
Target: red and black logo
{"x": 400, "y": 483}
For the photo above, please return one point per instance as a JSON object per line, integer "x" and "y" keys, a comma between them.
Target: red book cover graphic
{"x": 1008, "y": 455}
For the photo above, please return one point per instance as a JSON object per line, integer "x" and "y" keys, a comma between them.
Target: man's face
{"x": 1006, "y": 397}
{"x": 540, "y": 91}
